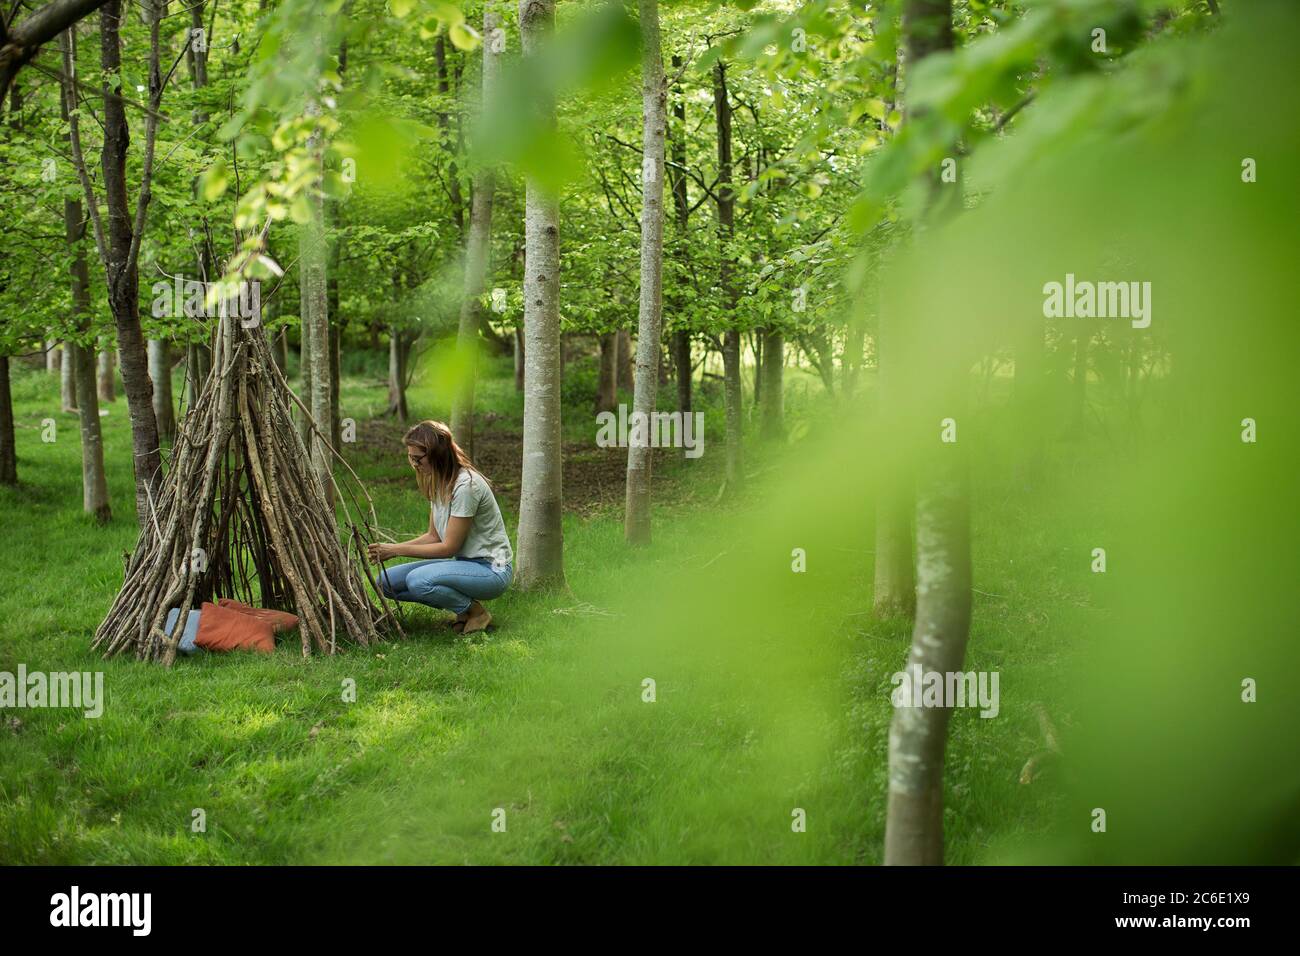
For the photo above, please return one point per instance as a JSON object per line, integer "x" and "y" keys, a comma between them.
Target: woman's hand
{"x": 381, "y": 551}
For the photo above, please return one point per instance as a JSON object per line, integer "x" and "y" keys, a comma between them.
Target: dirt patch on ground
{"x": 593, "y": 477}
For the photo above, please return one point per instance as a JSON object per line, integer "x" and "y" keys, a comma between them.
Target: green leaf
{"x": 401, "y": 8}
{"x": 463, "y": 36}
{"x": 214, "y": 180}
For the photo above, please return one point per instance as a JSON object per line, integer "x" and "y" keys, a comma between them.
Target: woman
{"x": 465, "y": 555}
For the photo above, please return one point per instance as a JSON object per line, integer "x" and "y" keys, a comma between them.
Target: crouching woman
{"x": 465, "y": 557}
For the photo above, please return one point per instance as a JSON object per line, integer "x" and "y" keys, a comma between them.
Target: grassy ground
{"x": 771, "y": 688}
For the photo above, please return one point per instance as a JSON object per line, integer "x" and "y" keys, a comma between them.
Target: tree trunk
{"x": 397, "y": 375}
{"x": 681, "y": 338}
{"x": 773, "y": 409}
{"x": 8, "y": 440}
{"x": 918, "y": 735}
{"x": 732, "y": 389}
{"x": 681, "y": 348}
{"x": 120, "y": 263}
{"x": 927, "y": 27}
{"x": 606, "y": 391}
{"x": 68, "y": 381}
{"x": 104, "y": 381}
{"x": 478, "y": 248}
{"x": 623, "y": 361}
{"x": 53, "y": 357}
{"x": 654, "y": 100}
{"x": 336, "y": 360}
{"x": 94, "y": 481}
{"x": 541, "y": 553}
{"x": 519, "y": 359}
{"x": 282, "y": 351}
{"x": 304, "y": 370}
{"x": 160, "y": 373}
{"x": 313, "y": 291}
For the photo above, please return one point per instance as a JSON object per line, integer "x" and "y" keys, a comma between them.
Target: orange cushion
{"x": 280, "y": 621}
{"x": 225, "y": 629}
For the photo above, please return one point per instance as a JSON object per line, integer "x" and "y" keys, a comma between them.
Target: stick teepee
{"x": 241, "y": 506}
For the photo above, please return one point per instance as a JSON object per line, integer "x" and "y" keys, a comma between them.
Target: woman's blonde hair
{"x": 444, "y": 456}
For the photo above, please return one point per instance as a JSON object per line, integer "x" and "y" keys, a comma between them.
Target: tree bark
{"x": 68, "y": 381}
{"x": 773, "y": 408}
{"x": 94, "y": 481}
{"x": 624, "y": 361}
{"x": 918, "y": 735}
{"x": 478, "y": 248}
{"x": 654, "y": 100}
{"x": 304, "y": 366}
{"x": 397, "y": 375}
{"x": 606, "y": 390}
{"x": 519, "y": 358}
{"x": 160, "y": 373}
{"x": 53, "y": 357}
{"x": 541, "y": 541}
{"x": 927, "y": 29}
{"x": 681, "y": 338}
{"x": 8, "y": 440}
{"x": 104, "y": 381}
{"x": 313, "y": 292}
{"x": 732, "y": 390}
{"x": 120, "y": 252}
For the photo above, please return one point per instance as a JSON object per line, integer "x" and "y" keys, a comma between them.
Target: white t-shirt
{"x": 472, "y": 498}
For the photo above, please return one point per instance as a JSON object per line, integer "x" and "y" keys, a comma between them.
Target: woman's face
{"x": 418, "y": 459}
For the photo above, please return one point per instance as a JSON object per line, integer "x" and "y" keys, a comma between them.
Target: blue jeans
{"x": 452, "y": 584}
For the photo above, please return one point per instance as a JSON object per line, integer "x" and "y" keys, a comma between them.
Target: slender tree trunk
{"x": 681, "y": 338}
{"x": 311, "y": 266}
{"x": 120, "y": 263}
{"x": 68, "y": 381}
{"x": 478, "y": 248}
{"x": 336, "y": 359}
{"x": 606, "y": 390}
{"x": 397, "y": 375}
{"x": 623, "y": 361}
{"x": 731, "y": 338}
{"x": 8, "y": 440}
{"x": 654, "y": 100}
{"x": 94, "y": 481}
{"x": 541, "y": 543}
{"x": 773, "y": 409}
{"x": 305, "y": 367}
{"x": 53, "y": 357}
{"x": 918, "y": 735}
{"x": 160, "y": 373}
{"x": 681, "y": 348}
{"x": 444, "y": 87}
{"x": 282, "y": 351}
{"x": 519, "y": 358}
{"x": 104, "y": 381}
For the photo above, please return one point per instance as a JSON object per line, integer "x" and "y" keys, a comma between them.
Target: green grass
{"x": 772, "y": 687}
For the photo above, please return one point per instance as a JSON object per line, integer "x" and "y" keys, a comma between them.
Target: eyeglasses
{"x": 416, "y": 460}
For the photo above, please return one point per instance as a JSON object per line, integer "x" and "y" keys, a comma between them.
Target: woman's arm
{"x": 423, "y": 547}
{"x": 382, "y": 551}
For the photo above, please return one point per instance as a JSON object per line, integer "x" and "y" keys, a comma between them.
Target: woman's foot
{"x": 477, "y": 618}
{"x": 458, "y": 625}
